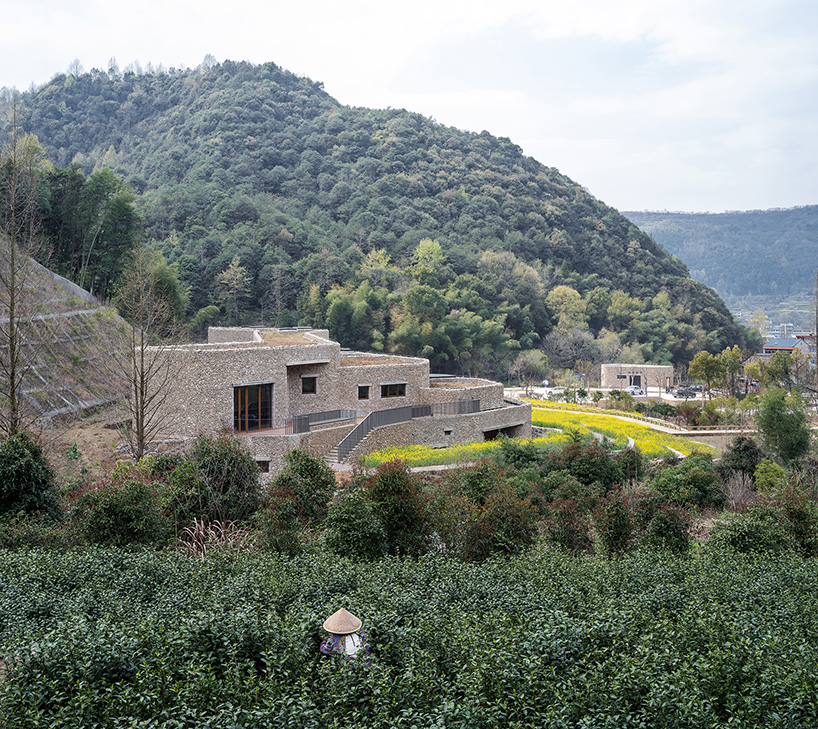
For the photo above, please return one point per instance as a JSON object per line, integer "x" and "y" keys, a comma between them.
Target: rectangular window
{"x": 252, "y": 407}
{"x": 398, "y": 390}
{"x": 263, "y": 466}
{"x": 363, "y": 392}
{"x": 308, "y": 386}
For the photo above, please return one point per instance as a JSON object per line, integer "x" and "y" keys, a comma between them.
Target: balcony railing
{"x": 304, "y": 423}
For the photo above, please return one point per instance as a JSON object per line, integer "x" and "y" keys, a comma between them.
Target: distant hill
{"x": 278, "y": 203}
{"x": 765, "y": 256}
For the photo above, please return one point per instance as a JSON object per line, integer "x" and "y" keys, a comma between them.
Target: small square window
{"x": 263, "y": 466}
{"x": 363, "y": 392}
{"x": 308, "y": 386}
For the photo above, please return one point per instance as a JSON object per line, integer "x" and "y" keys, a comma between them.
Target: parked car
{"x": 634, "y": 390}
{"x": 684, "y": 392}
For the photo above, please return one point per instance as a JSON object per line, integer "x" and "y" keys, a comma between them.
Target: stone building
{"x": 620, "y": 376}
{"x": 281, "y": 389}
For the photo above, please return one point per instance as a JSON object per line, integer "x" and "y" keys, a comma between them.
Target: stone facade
{"x": 306, "y": 373}
{"x": 620, "y": 376}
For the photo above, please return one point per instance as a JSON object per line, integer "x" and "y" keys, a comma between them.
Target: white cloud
{"x": 705, "y": 104}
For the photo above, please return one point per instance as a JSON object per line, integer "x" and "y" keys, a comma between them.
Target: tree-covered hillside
{"x": 760, "y": 253}
{"x": 275, "y": 203}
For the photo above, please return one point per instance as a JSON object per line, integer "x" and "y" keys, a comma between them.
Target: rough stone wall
{"x": 387, "y": 436}
{"x": 447, "y": 430}
{"x": 489, "y": 393}
{"x": 414, "y": 373}
{"x": 325, "y": 395}
{"x": 320, "y": 442}
{"x": 201, "y": 398}
{"x": 272, "y": 448}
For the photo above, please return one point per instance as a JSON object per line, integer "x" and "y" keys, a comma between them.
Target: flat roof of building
{"x": 273, "y": 338}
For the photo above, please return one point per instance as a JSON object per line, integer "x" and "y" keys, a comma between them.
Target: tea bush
{"x": 613, "y": 525}
{"x": 667, "y": 530}
{"x": 102, "y": 637}
{"x": 296, "y": 501}
{"x": 759, "y": 530}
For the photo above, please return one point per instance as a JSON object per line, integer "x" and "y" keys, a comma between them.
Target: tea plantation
{"x": 111, "y": 638}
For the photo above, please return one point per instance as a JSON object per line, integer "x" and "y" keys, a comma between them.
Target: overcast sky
{"x": 696, "y": 105}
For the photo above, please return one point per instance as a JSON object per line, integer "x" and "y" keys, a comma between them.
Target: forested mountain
{"x": 273, "y": 202}
{"x": 769, "y": 255}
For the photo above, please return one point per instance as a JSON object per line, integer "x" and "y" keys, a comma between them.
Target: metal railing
{"x": 456, "y": 407}
{"x": 303, "y": 423}
{"x": 404, "y": 414}
{"x": 374, "y": 420}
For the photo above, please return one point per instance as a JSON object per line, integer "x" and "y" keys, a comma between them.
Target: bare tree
{"x": 149, "y": 372}
{"x": 20, "y": 174}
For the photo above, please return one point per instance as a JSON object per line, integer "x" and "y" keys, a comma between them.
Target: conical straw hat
{"x": 342, "y": 622}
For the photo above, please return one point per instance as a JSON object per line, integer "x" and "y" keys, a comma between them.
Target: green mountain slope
{"x": 278, "y": 203}
{"x": 770, "y": 254}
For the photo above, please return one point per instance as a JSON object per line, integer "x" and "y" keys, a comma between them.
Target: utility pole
{"x": 815, "y": 333}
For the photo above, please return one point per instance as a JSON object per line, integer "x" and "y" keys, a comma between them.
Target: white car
{"x": 634, "y": 390}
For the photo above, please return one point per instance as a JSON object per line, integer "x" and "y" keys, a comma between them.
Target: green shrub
{"x": 451, "y": 513}
{"x": 801, "y": 521}
{"x": 668, "y": 530}
{"x": 23, "y": 531}
{"x": 643, "y": 506}
{"x": 123, "y": 510}
{"x": 613, "y": 526}
{"x": 351, "y": 528}
{"x": 27, "y": 482}
{"x": 503, "y": 524}
{"x": 224, "y": 485}
{"x": 586, "y": 496}
{"x": 782, "y": 420}
{"x": 741, "y": 457}
{"x": 277, "y": 522}
{"x": 478, "y": 481}
{"x": 770, "y": 478}
{"x": 693, "y": 480}
{"x": 664, "y": 409}
{"x": 312, "y": 483}
{"x": 632, "y": 464}
{"x": 568, "y": 527}
{"x": 398, "y": 503}
{"x": 519, "y": 453}
{"x": 591, "y": 464}
{"x": 759, "y": 530}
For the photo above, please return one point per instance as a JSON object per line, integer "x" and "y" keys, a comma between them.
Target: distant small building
{"x": 620, "y": 376}
{"x": 788, "y": 345}
{"x": 808, "y": 340}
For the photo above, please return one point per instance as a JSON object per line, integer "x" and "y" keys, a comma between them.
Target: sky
{"x": 681, "y": 105}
